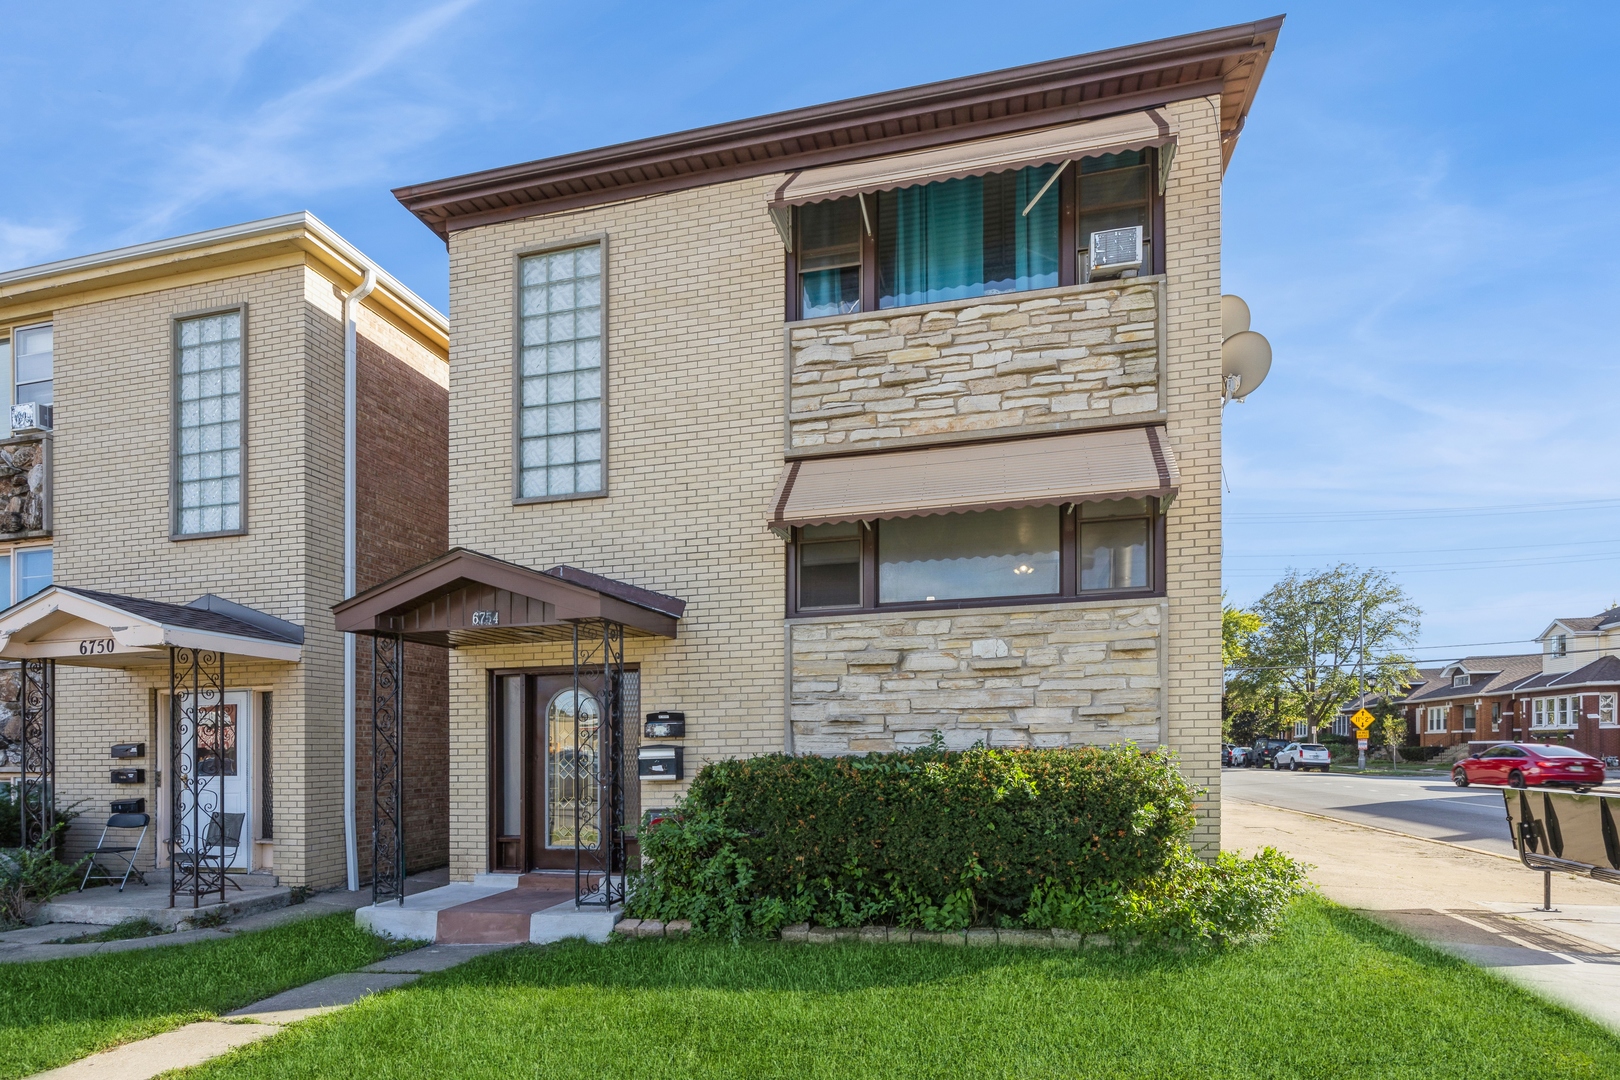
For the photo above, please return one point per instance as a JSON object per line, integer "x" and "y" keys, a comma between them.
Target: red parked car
{"x": 1530, "y": 765}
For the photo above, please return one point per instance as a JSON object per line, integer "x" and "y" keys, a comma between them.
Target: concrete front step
{"x": 106, "y": 906}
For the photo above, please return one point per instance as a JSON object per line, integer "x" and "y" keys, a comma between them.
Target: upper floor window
{"x": 208, "y": 424}
{"x": 1558, "y": 645}
{"x": 559, "y": 439}
{"x": 1094, "y": 549}
{"x": 956, "y": 239}
{"x": 1459, "y": 680}
{"x": 33, "y": 364}
{"x": 23, "y": 572}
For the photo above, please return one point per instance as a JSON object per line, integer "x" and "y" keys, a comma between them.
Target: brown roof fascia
{"x": 1229, "y": 61}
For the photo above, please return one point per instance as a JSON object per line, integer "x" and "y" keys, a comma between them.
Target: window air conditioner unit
{"x": 1114, "y": 251}
{"x": 27, "y": 416}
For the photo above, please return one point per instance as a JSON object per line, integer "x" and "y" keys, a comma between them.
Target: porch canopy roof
{"x": 86, "y": 628}
{"x": 1086, "y": 466}
{"x": 466, "y": 598}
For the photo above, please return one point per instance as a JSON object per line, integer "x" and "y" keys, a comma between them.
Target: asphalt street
{"x": 1430, "y": 807}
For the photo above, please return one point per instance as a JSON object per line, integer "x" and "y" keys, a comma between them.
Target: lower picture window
{"x": 959, "y": 556}
{"x": 986, "y": 555}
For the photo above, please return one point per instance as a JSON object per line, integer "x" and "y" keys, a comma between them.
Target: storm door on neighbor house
{"x": 216, "y": 763}
{"x": 550, "y": 749}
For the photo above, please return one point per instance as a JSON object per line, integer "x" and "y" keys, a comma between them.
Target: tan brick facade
{"x": 698, "y": 413}
{"x": 112, "y": 527}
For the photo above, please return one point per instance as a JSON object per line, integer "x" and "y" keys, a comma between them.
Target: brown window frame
{"x": 1069, "y": 590}
{"x": 1068, "y": 191}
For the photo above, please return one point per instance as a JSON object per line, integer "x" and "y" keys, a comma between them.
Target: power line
{"x": 1419, "y": 551}
{"x": 1421, "y": 512}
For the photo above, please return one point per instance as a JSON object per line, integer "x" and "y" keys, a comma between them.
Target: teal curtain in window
{"x": 966, "y": 238}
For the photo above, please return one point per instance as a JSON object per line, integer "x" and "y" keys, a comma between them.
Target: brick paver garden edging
{"x": 804, "y": 933}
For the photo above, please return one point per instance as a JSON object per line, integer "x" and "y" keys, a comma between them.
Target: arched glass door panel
{"x": 573, "y": 771}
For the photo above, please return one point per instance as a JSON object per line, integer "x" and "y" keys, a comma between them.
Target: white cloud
{"x": 27, "y": 245}
{"x": 335, "y": 129}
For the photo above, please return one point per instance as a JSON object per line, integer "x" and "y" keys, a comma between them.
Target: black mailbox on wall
{"x": 129, "y": 750}
{"x": 129, "y": 776}
{"x": 129, "y": 806}
{"x": 665, "y": 725}
{"x": 659, "y": 763}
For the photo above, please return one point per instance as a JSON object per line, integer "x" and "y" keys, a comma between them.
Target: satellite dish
{"x": 1245, "y": 357}
{"x": 1234, "y": 316}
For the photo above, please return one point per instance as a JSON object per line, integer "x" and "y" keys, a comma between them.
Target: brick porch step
{"x": 506, "y": 917}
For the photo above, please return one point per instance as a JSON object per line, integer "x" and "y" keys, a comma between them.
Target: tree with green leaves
{"x": 1314, "y": 629}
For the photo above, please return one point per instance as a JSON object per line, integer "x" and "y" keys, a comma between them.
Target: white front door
{"x": 217, "y": 767}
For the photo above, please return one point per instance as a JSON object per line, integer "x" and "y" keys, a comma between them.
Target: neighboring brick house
{"x": 186, "y": 491}
{"x": 1565, "y": 693}
{"x": 1471, "y": 700}
{"x": 1573, "y": 696}
{"x": 837, "y": 415}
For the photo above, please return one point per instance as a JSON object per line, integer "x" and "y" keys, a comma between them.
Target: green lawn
{"x": 1332, "y": 996}
{"x": 54, "y": 1011}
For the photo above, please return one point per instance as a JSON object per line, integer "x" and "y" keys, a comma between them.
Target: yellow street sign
{"x": 1363, "y": 720}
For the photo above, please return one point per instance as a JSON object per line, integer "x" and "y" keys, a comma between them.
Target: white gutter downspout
{"x": 350, "y": 377}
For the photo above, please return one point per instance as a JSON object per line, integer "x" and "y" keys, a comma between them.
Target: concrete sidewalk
{"x": 1473, "y": 904}
{"x": 208, "y": 1039}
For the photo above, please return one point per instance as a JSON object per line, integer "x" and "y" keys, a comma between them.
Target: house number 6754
{"x": 96, "y": 645}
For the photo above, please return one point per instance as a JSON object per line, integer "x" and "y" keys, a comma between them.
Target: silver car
{"x": 1302, "y": 755}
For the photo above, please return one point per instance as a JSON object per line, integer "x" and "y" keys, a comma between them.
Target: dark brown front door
{"x": 549, "y": 754}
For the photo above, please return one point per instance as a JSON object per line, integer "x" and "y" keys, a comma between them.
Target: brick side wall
{"x": 1193, "y": 332}
{"x": 402, "y": 520}
{"x": 1035, "y": 361}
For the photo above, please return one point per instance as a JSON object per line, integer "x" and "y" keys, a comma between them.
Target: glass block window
{"x": 209, "y": 425}
{"x": 560, "y": 391}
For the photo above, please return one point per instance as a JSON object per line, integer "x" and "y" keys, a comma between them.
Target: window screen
{"x": 560, "y": 430}
{"x": 209, "y": 425}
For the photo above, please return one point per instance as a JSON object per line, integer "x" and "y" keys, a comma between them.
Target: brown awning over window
{"x": 1088, "y": 466}
{"x": 467, "y": 598}
{"x": 1049, "y": 146}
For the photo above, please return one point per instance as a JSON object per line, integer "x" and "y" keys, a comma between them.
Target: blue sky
{"x": 1421, "y": 215}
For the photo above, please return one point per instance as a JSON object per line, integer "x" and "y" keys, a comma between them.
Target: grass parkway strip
{"x": 56, "y": 1011}
{"x": 1332, "y": 995}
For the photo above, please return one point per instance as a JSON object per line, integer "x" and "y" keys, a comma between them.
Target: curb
{"x": 1376, "y": 828}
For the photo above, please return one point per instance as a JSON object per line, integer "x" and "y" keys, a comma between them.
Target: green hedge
{"x": 925, "y": 838}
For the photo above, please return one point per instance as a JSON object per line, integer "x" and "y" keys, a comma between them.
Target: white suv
{"x": 1302, "y": 755}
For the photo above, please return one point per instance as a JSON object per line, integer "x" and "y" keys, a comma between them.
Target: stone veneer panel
{"x": 1081, "y": 353}
{"x": 1047, "y": 676}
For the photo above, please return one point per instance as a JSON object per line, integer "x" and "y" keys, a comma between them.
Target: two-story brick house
{"x": 176, "y": 533}
{"x": 846, "y": 420}
{"x": 1565, "y": 693}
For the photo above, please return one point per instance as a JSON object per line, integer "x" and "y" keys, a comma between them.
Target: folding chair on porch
{"x": 227, "y": 839}
{"x": 125, "y": 823}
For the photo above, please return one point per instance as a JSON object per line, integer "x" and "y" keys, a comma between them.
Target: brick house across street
{"x": 175, "y": 539}
{"x": 822, "y": 432}
{"x": 1566, "y": 693}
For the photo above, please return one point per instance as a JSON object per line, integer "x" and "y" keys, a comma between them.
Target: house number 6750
{"x": 96, "y": 645}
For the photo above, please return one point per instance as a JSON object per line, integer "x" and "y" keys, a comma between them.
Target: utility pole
{"x": 1361, "y": 680}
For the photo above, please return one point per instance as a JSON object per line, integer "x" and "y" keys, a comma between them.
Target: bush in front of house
{"x": 934, "y": 839}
